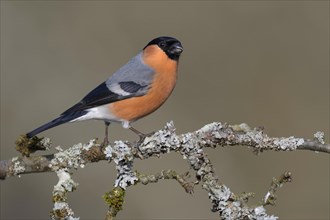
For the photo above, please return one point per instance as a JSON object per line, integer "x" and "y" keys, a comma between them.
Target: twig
{"x": 168, "y": 174}
{"x": 270, "y": 197}
{"x": 115, "y": 201}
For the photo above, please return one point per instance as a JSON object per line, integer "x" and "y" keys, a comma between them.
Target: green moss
{"x": 115, "y": 199}
{"x": 59, "y": 214}
{"x": 27, "y": 146}
{"x": 59, "y": 197}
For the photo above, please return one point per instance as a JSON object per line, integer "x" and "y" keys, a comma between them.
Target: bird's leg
{"x": 141, "y": 135}
{"x": 106, "y": 139}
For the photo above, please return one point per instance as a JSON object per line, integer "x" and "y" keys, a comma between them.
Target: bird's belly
{"x": 137, "y": 107}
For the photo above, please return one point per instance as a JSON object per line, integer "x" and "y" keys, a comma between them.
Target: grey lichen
{"x": 71, "y": 157}
{"x": 319, "y": 136}
{"x": 289, "y": 143}
{"x": 17, "y": 167}
{"x": 162, "y": 141}
{"x": 123, "y": 157}
{"x": 63, "y": 161}
{"x": 90, "y": 144}
{"x": 65, "y": 184}
{"x": 168, "y": 174}
{"x": 259, "y": 213}
{"x": 243, "y": 127}
{"x": 191, "y": 145}
{"x": 46, "y": 143}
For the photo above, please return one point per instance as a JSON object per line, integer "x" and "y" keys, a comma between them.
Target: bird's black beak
{"x": 176, "y": 48}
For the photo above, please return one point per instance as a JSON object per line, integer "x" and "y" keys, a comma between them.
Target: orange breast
{"x": 163, "y": 84}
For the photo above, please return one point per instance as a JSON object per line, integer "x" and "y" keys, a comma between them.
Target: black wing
{"x": 102, "y": 95}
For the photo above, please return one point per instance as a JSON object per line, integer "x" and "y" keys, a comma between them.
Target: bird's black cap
{"x": 171, "y": 46}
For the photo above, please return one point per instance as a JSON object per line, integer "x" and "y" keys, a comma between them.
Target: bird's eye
{"x": 162, "y": 44}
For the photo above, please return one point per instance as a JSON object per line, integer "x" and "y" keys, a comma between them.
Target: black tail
{"x": 57, "y": 121}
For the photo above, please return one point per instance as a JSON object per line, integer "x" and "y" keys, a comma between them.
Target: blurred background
{"x": 265, "y": 63}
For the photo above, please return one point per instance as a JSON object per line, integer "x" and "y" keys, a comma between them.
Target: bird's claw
{"x": 142, "y": 137}
{"x": 105, "y": 142}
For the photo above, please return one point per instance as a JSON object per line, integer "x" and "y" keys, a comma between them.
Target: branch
{"x": 191, "y": 145}
{"x": 275, "y": 185}
{"x": 168, "y": 174}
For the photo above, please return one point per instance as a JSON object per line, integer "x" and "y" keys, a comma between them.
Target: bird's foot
{"x": 105, "y": 142}
{"x": 143, "y": 136}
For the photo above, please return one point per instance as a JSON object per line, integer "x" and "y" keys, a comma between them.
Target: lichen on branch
{"x": 190, "y": 145}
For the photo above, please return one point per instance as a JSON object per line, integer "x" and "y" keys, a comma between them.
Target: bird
{"x": 134, "y": 91}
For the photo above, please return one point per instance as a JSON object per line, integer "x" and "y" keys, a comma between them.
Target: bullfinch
{"x": 137, "y": 89}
